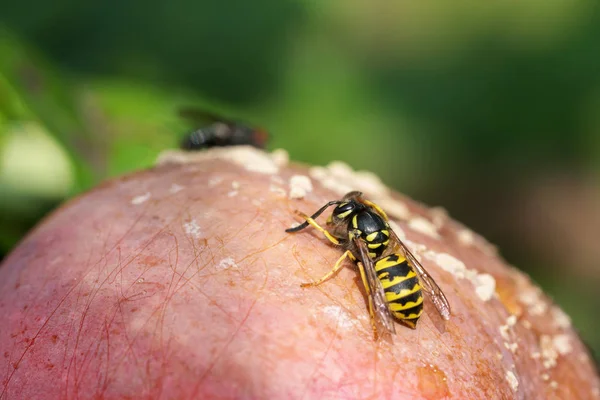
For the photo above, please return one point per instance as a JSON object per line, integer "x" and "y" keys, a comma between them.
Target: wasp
{"x": 393, "y": 278}
{"x": 220, "y": 131}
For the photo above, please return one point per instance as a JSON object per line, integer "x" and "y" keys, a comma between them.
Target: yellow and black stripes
{"x": 402, "y": 289}
{"x": 377, "y": 242}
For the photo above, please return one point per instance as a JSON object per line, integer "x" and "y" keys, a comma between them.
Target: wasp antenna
{"x": 315, "y": 215}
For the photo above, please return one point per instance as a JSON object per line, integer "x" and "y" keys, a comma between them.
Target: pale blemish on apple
{"x": 192, "y": 228}
{"x": 175, "y": 188}
{"x": 277, "y": 179}
{"x": 278, "y": 190}
{"x": 226, "y": 263}
{"x": 137, "y": 200}
{"x": 512, "y": 380}
{"x": 235, "y": 185}
{"x": 339, "y": 316}
{"x": 214, "y": 181}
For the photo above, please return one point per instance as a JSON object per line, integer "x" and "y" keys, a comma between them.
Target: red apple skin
{"x": 181, "y": 283}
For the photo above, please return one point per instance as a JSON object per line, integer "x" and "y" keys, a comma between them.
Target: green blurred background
{"x": 491, "y": 110}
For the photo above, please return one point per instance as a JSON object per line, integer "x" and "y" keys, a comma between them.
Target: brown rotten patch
{"x": 180, "y": 282}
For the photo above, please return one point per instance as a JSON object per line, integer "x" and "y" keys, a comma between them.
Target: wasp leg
{"x": 336, "y": 268}
{"x": 314, "y": 223}
{"x": 363, "y": 276}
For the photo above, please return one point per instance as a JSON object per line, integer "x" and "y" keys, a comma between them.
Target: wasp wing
{"x": 375, "y": 290}
{"x": 427, "y": 282}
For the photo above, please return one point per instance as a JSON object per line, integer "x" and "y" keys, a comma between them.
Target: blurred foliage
{"x": 469, "y": 105}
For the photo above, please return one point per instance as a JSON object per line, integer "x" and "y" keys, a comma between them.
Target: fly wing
{"x": 427, "y": 282}
{"x": 201, "y": 116}
{"x": 375, "y": 291}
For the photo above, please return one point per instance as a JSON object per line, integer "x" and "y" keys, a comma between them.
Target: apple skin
{"x": 181, "y": 282}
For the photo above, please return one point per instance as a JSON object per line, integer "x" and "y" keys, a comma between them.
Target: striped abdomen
{"x": 402, "y": 289}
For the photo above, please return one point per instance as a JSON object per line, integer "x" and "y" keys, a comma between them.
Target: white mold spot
{"x": 545, "y": 377}
{"x": 554, "y": 385}
{"x": 370, "y": 183}
{"x": 250, "y": 158}
{"x": 192, "y": 228}
{"x": 512, "y": 380}
{"x": 399, "y": 231}
{"x": 466, "y": 237}
{"x": 485, "y": 286}
{"x": 424, "y": 226}
{"x": 253, "y": 160}
{"x": 339, "y": 315}
{"x": 449, "y": 264}
{"x": 137, "y": 200}
{"x": 511, "y": 346}
{"x": 232, "y": 193}
{"x": 173, "y": 157}
{"x": 175, "y": 188}
{"x": 318, "y": 173}
{"x": 340, "y": 178}
{"x": 226, "y": 263}
{"x": 439, "y": 216}
{"x": 562, "y": 344}
{"x": 561, "y": 320}
{"x": 530, "y": 296}
{"x": 280, "y": 157}
{"x": 300, "y": 185}
{"x": 340, "y": 169}
{"x": 394, "y": 208}
{"x": 549, "y": 353}
{"x": 504, "y": 332}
